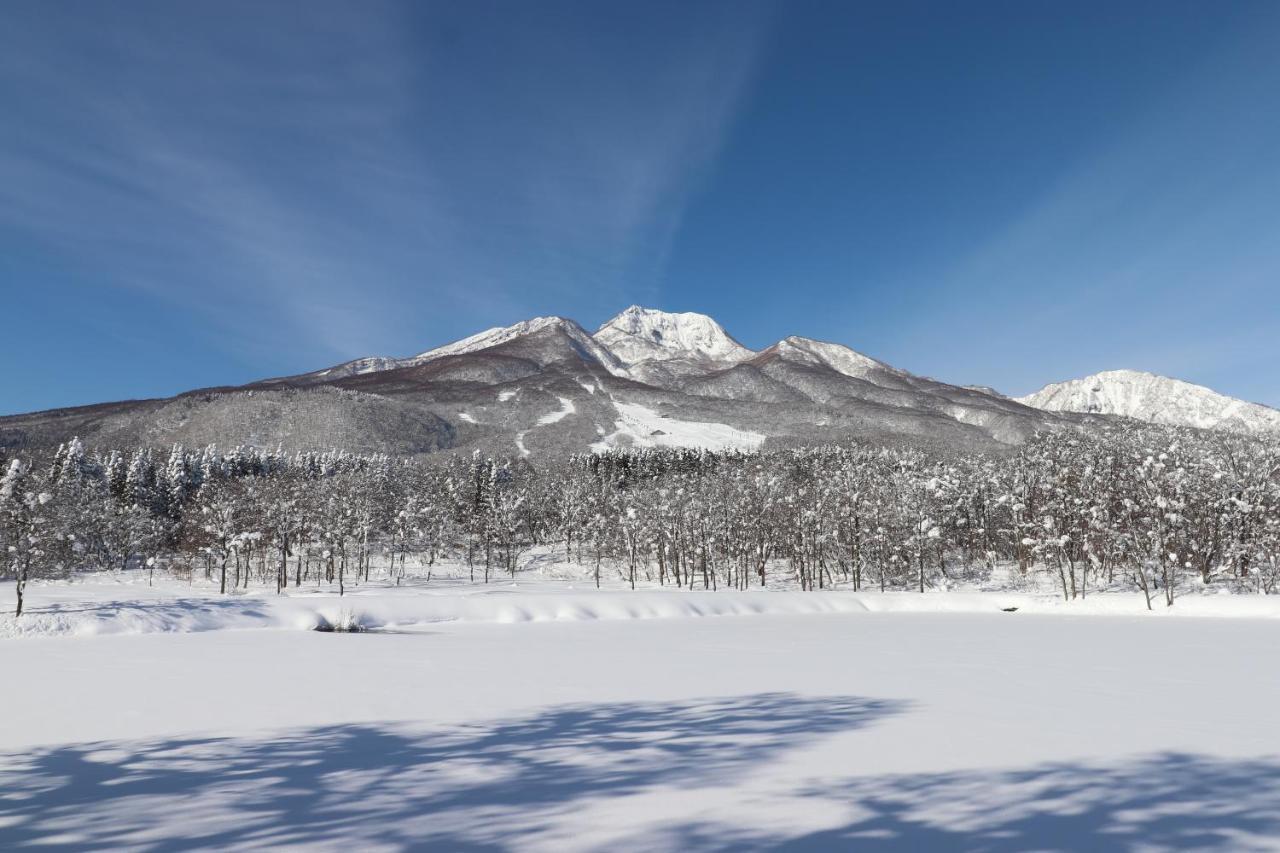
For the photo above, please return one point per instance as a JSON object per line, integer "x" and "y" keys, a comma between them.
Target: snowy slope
{"x": 491, "y": 338}
{"x": 640, "y": 426}
{"x": 839, "y": 358}
{"x": 497, "y": 336}
{"x": 1157, "y": 399}
{"x": 644, "y": 334}
{"x": 485, "y": 340}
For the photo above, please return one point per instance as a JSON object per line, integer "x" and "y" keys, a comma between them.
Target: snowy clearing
{"x": 640, "y": 426}
{"x": 597, "y": 729}
{"x": 566, "y": 408}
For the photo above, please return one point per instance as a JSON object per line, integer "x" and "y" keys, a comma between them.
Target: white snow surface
{"x": 369, "y": 364}
{"x": 110, "y": 604}
{"x": 1157, "y": 399}
{"x": 545, "y": 718}
{"x": 640, "y": 426}
{"x": 646, "y": 334}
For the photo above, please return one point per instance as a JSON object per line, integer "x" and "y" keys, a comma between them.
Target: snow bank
{"x": 104, "y": 611}
{"x": 92, "y": 608}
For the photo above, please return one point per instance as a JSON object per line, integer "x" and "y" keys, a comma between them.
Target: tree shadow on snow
{"x": 156, "y": 611}
{"x": 384, "y": 786}
{"x": 1169, "y": 801}
{"x": 496, "y": 786}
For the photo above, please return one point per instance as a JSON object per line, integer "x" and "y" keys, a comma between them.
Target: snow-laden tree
{"x": 1162, "y": 510}
{"x": 24, "y": 522}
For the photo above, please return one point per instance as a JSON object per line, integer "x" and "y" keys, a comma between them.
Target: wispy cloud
{"x": 344, "y": 178}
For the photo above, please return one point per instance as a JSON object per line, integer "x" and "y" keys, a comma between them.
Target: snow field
{"x": 546, "y": 715}
{"x": 566, "y": 408}
{"x": 640, "y": 426}
{"x": 881, "y": 731}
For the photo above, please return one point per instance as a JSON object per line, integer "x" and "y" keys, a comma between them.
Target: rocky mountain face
{"x": 658, "y": 347}
{"x": 646, "y": 378}
{"x": 1156, "y": 399}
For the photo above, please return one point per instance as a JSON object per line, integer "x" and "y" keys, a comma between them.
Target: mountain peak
{"x": 647, "y": 334}
{"x": 578, "y": 336}
{"x": 1154, "y": 398}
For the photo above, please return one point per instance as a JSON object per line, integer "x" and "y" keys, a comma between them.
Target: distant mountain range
{"x": 645, "y": 378}
{"x": 1157, "y": 399}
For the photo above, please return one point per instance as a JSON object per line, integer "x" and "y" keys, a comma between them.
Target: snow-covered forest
{"x": 1157, "y": 509}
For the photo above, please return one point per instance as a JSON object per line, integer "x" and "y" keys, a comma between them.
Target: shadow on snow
{"x": 385, "y": 786}
{"x": 1168, "y": 801}
{"x": 495, "y": 785}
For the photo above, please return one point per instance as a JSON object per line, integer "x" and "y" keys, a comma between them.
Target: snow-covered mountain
{"x": 646, "y": 378}
{"x": 639, "y": 343}
{"x": 1156, "y": 399}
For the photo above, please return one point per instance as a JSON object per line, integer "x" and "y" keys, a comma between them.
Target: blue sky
{"x": 196, "y": 194}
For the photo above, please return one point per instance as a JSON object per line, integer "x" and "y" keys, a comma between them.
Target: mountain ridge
{"x": 644, "y": 378}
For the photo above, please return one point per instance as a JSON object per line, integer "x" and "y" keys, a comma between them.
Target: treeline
{"x": 1156, "y": 509}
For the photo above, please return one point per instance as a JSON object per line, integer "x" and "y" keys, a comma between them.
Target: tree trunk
{"x": 23, "y": 572}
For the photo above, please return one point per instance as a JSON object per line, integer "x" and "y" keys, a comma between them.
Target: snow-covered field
{"x": 551, "y": 716}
